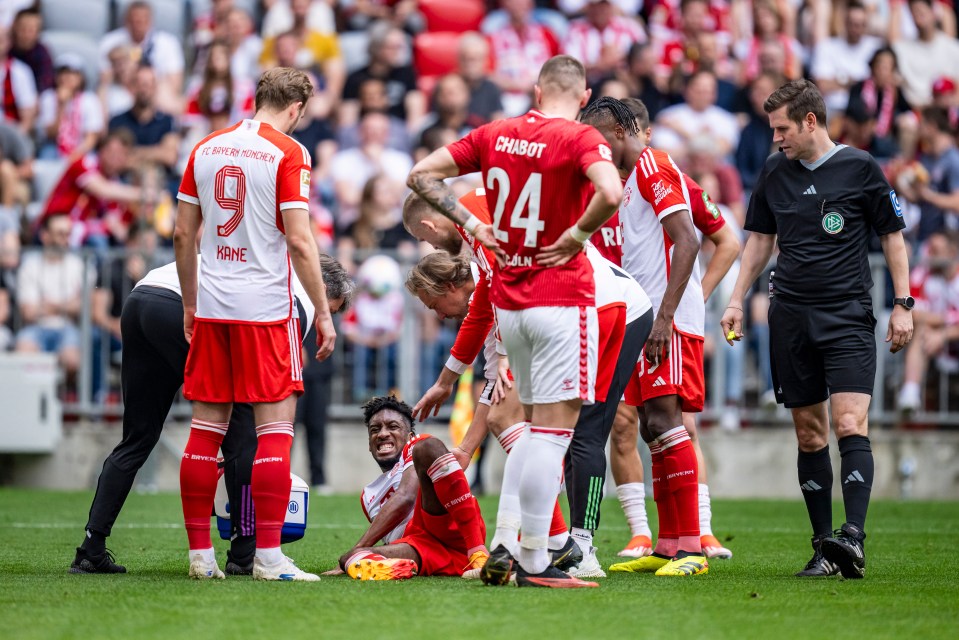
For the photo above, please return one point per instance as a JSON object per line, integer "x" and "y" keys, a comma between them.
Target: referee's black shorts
{"x": 819, "y": 349}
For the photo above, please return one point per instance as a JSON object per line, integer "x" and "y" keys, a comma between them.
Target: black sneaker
{"x": 552, "y": 578}
{"x": 818, "y": 566}
{"x": 103, "y": 563}
{"x": 238, "y": 566}
{"x": 845, "y": 550}
{"x": 497, "y": 569}
{"x": 569, "y": 556}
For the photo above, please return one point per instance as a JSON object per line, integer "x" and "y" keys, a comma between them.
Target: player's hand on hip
{"x": 560, "y": 252}
{"x": 484, "y": 233}
{"x": 188, "y": 317}
{"x": 900, "y": 328}
{"x": 432, "y": 400}
{"x": 657, "y": 345}
{"x": 325, "y": 337}
{"x": 732, "y": 324}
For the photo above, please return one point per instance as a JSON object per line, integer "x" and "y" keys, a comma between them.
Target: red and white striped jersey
{"x": 935, "y": 294}
{"x": 586, "y": 43}
{"x": 242, "y": 178}
{"x": 656, "y": 189}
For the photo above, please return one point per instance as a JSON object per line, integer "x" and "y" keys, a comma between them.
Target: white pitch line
{"x": 154, "y": 525}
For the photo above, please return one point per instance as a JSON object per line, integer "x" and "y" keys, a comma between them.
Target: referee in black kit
{"x": 154, "y": 357}
{"x": 822, "y": 200}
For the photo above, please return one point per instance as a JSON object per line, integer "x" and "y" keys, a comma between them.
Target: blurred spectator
{"x": 373, "y": 99}
{"x": 769, "y": 28}
{"x": 486, "y": 99}
{"x": 934, "y": 283}
{"x": 316, "y": 50}
{"x": 518, "y": 50}
{"x": 91, "y": 195}
{"x": 50, "y": 287}
{"x": 159, "y": 49}
{"x": 945, "y": 97}
{"x": 643, "y": 83}
{"x": 710, "y": 59}
{"x": 922, "y": 60}
{"x": 372, "y": 327}
{"x": 217, "y": 100}
{"x": 725, "y": 186}
{"x": 245, "y": 45}
{"x": 389, "y": 62}
{"x": 756, "y": 138}
{"x": 352, "y": 168}
{"x": 282, "y": 14}
{"x": 71, "y": 118}
{"x": 451, "y": 99}
{"x": 576, "y": 7}
{"x": 10, "y": 8}
{"x": 211, "y": 24}
{"x": 16, "y": 168}
{"x": 286, "y": 52}
{"x": 668, "y": 19}
{"x": 877, "y": 107}
{"x": 935, "y": 185}
{"x": 840, "y": 62}
{"x": 26, "y": 47}
{"x": 155, "y": 136}
{"x": 379, "y": 225}
{"x": 116, "y": 84}
{"x": 698, "y": 118}
{"x": 433, "y": 139}
{"x": 359, "y": 15}
{"x": 680, "y": 43}
{"x": 18, "y": 88}
{"x": 601, "y": 38}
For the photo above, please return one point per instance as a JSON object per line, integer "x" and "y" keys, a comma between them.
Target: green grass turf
{"x": 910, "y": 591}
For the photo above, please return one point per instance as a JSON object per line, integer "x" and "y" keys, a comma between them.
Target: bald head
{"x": 426, "y": 224}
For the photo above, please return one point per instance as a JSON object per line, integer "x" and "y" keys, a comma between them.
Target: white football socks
{"x": 508, "y": 516}
{"x": 583, "y": 539}
{"x": 538, "y": 488}
{"x": 632, "y": 497}
{"x": 705, "y": 512}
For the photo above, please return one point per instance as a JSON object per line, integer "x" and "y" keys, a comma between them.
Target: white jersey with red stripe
{"x": 376, "y": 493}
{"x": 616, "y": 287}
{"x": 243, "y": 178}
{"x": 656, "y": 189}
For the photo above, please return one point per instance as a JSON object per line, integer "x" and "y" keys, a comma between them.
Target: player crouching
{"x": 420, "y": 507}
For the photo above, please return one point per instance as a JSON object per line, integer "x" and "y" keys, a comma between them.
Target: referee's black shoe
{"x": 818, "y": 566}
{"x": 845, "y": 549}
{"x": 102, "y": 563}
{"x": 567, "y": 557}
{"x": 498, "y": 567}
{"x": 238, "y": 566}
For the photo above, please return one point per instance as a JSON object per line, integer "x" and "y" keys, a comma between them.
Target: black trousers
{"x": 313, "y": 408}
{"x": 154, "y": 358}
{"x": 586, "y": 459}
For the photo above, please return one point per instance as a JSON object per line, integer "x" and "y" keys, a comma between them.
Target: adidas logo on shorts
{"x": 659, "y": 382}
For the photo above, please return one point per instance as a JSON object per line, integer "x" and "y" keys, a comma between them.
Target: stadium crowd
{"x": 103, "y": 101}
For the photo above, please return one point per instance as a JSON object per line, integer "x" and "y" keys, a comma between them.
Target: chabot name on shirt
{"x": 519, "y": 147}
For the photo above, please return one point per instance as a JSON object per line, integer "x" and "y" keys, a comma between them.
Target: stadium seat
{"x": 434, "y": 54}
{"x": 459, "y": 16}
{"x": 80, "y": 43}
{"x": 46, "y": 173}
{"x": 91, "y": 17}
{"x": 354, "y": 47}
{"x": 168, "y": 15}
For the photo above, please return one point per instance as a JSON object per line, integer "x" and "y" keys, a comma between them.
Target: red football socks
{"x": 682, "y": 475}
{"x": 270, "y": 482}
{"x": 198, "y": 478}
{"x": 453, "y": 490}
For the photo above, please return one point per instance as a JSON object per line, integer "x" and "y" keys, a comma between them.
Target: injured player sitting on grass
{"x": 420, "y": 507}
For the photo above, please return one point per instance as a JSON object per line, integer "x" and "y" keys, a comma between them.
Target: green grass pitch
{"x": 910, "y": 590}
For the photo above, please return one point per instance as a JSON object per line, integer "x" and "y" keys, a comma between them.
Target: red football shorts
{"x": 681, "y": 374}
{"x": 232, "y": 362}
{"x": 438, "y": 542}
{"x": 612, "y": 327}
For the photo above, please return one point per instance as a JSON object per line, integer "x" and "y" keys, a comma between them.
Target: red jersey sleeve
{"x": 706, "y": 215}
{"x": 660, "y": 183}
{"x": 592, "y": 148}
{"x": 293, "y": 179}
{"x": 466, "y": 151}
{"x": 407, "y": 455}
{"x": 187, "y": 191}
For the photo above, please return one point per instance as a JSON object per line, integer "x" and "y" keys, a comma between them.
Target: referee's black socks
{"x": 857, "y": 473}
{"x": 815, "y": 480}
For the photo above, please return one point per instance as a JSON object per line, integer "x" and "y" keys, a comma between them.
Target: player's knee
{"x": 810, "y": 437}
{"x": 850, "y": 424}
{"x": 624, "y": 439}
{"x": 427, "y": 451}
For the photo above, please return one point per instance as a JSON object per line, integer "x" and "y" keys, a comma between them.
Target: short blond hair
{"x": 280, "y": 87}
{"x": 434, "y": 272}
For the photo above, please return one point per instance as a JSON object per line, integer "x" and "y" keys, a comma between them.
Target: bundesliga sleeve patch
{"x": 894, "y": 199}
{"x": 305, "y": 183}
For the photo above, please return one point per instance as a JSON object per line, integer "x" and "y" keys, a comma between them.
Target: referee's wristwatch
{"x": 908, "y": 302}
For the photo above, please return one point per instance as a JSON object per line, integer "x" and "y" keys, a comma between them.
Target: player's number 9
{"x": 230, "y": 193}
{"x": 529, "y": 198}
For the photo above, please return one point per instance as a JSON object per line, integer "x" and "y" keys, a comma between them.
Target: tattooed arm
{"x": 427, "y": 180}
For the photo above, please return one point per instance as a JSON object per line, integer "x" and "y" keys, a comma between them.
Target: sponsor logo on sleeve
{"x": 660, "y": 191}
{"x": 896, "y": 206}
{"x": 305, "y": 183}
{"x": 710, "y": 207}
{"x": 605, "y": 152}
